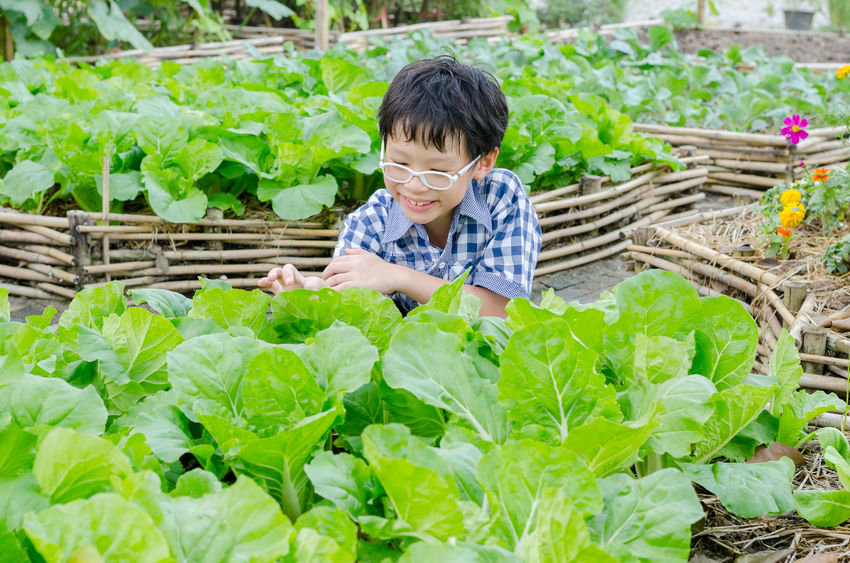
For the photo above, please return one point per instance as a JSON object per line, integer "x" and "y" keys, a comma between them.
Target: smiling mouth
{"x": 412, "y": 203}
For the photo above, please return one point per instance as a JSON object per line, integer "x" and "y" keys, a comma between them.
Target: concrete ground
{"x": 731, "y": 13}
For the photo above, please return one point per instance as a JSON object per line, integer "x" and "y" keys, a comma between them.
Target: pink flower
{"x": 793, "y": 130}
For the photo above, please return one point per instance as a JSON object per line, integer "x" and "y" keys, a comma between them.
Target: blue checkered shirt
{"x": 494, "y": 231}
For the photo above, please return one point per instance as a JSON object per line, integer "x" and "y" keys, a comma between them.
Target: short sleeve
{"x": 507, "y": 262}
{"x": 364, "y": 227}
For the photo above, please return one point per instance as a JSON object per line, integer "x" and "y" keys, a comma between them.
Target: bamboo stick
{"x": 23, "y": 274}
{"x": 598, "y": 196}
{"x": 832, "y": 421}
{"x": 53, "y": 272}
{"x": 10, "y": 217}
{"x": 687, "y": 174}
{"x": 678, "y": 202}
{"x": 604, "y": 253}
{"x": 57, "y": 289}
{"x": 659, "y": 251}
{"x": 706, "y": 216}
{"x": 115, "y": 229}
{"x": 599, "y": 223}
{"x": 827, "y": 321}
{"x": 7, "y": 235}
{"x": 246, "y": 223}
{"x": 677, "y": 187}
{"x": 750, "y": 165}
{"x": 191, "y": 285}
{"x": 226, "y": 237}
{"x": 733, "y": 191}
{"x": 105, "y": 209}
{"x": 552, "y": 194}
{"x": 205, "y": 269}
{"x": 587, "y": 244}
{"x": 25, "y": 291}
{"x": 713, "y": 256}
{"x": 61, "y": 238}
{"x": 320, "y": 262}
{"x": 130, "y": 282}
{"x": 26, "y": 256}
{"x": 826, "y": 360}
{"x": 824, "y": 383}
{"x": 747, "y": 179}
{"x": 577, "y": 215}
{"x": 758, "y": 139}
{"x": 802, "y": 318}
{"x": 117, "y": 267}
{"x": 52, "y": 252}
{"x": 837, "y": 343}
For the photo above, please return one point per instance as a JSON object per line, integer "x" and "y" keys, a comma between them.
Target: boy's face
{"x": 421, "y": 204}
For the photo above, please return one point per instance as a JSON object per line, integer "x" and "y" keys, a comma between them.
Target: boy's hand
{"x": 288, "y": 278}
{"x": 361, "y": 268}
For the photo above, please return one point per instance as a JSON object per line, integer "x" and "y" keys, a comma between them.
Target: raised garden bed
{"x": 719, "y": 256}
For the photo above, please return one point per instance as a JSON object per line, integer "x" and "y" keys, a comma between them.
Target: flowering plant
{"x": 794, "y": 129}
{"x": 843, "y": 72}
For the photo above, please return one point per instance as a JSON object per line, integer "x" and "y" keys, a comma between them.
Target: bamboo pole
{"x": 749, "y": 179}
{"x": 587, "y": 244}
{"x": 598, "y": 196}
{"x": 777, "y": 168}
{"x": 659, "y": 251}
{"x": 826, "y": 360}
{"x": 824, "y": 383}
{"x": 57, "y": 289}
{"x": 552, "y": 194}
{"x": 803, "y": 317}
{"x": 226, "y": 237}
{"x": 7, "y": 235}
{"x": 11, "y": 217}
{"x": 322, "y": 30}
{"x": 837, "y": 343}
{"x": 53, "y": 272}
{"x": 118, "y": 267}
{"x": 580, "y": 261}
{"x": 732, "y": 191}
{"x": 713, "y": 256}
{"x": 246, "y": 223}
{"x": 105, "y": 210}
{"x": 758, "y": 139}
{"x": 623, "y": 213}
{"x": 706, "y": 216}
{"x": 831, "y": 420}
{"x": 678, "y": 202}
{"x": 25, "y": 291}
{"x": 23, "y": 274}
{"x": 61, "y": 238}
{"x": 585, "y": 213}
{"x": 26, "y": 256}
{"x": 52, "y": 252}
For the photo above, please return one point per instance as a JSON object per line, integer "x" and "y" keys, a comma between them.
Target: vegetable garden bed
{"x": 719, "y": 257}
{"x": 46, "y": 257}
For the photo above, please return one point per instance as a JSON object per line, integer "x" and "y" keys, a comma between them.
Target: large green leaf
{"x": 90, "y": 306}
{"x": 748, "y": 489}
{"x": 325, "y": 534}
{"x": 520, "y": 476}
{"x": 735, "y": 408}
{"x": 660, "y": 358}
{"x": 206, "y": 372}
{"x": 344, "y": 480}
{"x": 70, "y": 465}
{"x": 272, "y": 7}
{"x": 112, "y": 24}
{"x": 431, "y": 364}
{"x": 648, "y": 519}
{"x": 47, "y": 401}
{"x": 276, "y": 462}
{"x": 25, "y": 181}
{"x": 786, "y": 368}
{"x": 5, "y": 313}
{"x": 303, "y": 200}
{"x": 424, "y": 552}
{"x": 341, "y": 359}
{"x": 823, "y": 508}
{"x": 549, "y": 379}
{"x": 166, "y": 428}
{"x": 17, "y": 451}
{"x": 115, "y": 528}
{"x": 607, "y": 446}
{"x": 278, "y": 390}
{"x": 231, "y": 308}
{"x": 169, "y": 304}
{"x": 802, "y": 407}
{"x": 420, "y": 496}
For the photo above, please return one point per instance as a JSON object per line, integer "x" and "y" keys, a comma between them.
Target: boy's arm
{"x": 361, "y": 268}
{"x": 288, "y": 278}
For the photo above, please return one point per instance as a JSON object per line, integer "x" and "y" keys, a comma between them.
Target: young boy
{"x": 445, "y": 207}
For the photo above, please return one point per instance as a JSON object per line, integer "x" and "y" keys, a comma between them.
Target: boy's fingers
{"x": 356, "y": 251}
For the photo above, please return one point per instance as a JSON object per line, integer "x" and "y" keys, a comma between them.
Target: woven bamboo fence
{"x": 53, "y": 257}
{"x": 747, "y": 164}
{"x": 254, "y": 42}
{"x": 593, "y": 219}
{"x": 777, "y": 298}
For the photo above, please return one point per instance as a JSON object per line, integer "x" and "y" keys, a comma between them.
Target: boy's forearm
{"x": 421, "y": 286}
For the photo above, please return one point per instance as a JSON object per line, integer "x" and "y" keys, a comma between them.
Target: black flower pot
{"x": 799, "y": 19}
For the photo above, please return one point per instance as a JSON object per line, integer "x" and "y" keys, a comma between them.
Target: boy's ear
{"x": 486, "y": 164}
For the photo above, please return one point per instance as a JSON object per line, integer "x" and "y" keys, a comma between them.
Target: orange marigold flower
{"x": 820, "y": 175}
{"x": 790, "y": 196}
{"x": 784, "y": 231}
{"x": 843, "y": 71}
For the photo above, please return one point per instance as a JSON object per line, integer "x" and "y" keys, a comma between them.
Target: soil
{"x": 801, "y": 46}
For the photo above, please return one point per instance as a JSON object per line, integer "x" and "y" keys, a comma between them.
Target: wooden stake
{"x": 322, "y": 31}
{"x": 105, "y": 210}
{"x": 814, "y": 343}
{"x": 803, "y": 319}
{"x": 795, "y": 294}
{"x": 9, "y": 49}
{"x": 82, "y": 243}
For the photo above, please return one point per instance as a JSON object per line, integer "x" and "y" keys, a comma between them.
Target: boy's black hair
{"x": 433, "y": 100}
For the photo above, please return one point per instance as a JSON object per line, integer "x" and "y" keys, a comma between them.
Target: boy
{"x": 445, "y": 207}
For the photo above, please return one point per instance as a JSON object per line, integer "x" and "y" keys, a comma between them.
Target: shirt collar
{"x": 472, "y": 205}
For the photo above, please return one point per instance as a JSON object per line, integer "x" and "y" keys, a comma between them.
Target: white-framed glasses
{"x": 431, "y": 178}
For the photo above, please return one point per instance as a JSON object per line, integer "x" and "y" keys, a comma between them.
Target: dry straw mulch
{"x": 775, "y": 539}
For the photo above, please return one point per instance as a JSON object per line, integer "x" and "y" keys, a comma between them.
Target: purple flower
{"x": 793, "y": 129}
